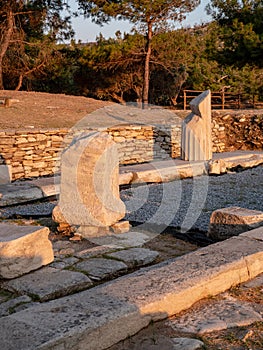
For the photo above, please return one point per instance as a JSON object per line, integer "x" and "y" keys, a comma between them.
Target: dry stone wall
{"x": 34, "y": 153}
{"x": 237, "y": 130}
{"x": 31, "y": 153}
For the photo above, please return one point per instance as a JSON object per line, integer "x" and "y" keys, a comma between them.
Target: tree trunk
{"x": 146, "y": 80}
{"x": 20, "y": 82}
{"x": 4, "y": 43}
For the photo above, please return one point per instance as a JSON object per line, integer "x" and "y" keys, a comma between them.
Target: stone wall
{"x": 138, "y": 144}
{"x": 237, "y": 130}
{"x": 31, "y": 153}
{"x": 37, "y": 153}
{"x": 34, "y": 153}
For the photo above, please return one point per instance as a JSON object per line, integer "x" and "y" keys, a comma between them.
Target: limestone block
{"x": 92, "y": 231}
{"x": 125, "y": 178}
{"x": 196, "y": 130}
{"x": 121, "y": 227}
{"x": 216, "y": 167}
{"x": 23, "y": 249}
{"x": 89, "y": 191}
{"x": 232, "y": 221}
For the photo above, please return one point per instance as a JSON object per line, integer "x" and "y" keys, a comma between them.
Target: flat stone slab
{"x": 20, "y": 192}
{"x": 24, "y": 191}
{"x": 216, "y": 316}
{"x": 222, "y": 162}
{"x": 99, "y": 268}
{"x": 187, "y": 344}
{"x": 50, "y": 186}
{"x": 124, "y": 240}
{"x": 9, "y": 306}
{"x": 165, "y": 171}
{"x": 161, "y": 342}
{"x": 231, "y": 221}
{"x": 93, "y": 252}
{"x": 99, "y": 317}
{"x": 48, "y": 283}
{"x": 135, "y": 256}
{"x": 256, "y": 234}
{"x": 23, "y": 249}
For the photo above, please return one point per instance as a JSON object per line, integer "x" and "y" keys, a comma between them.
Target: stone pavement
{"x": 102, "y": 315}
{"x": 231, "y": 320}
{"x": 155, "y": 172}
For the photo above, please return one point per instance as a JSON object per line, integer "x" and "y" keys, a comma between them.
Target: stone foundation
{"x": 34, "y": 153}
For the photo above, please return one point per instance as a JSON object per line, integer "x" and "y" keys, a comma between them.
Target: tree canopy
{"x": 150, "y": 17}
{"x": 153, "y": 63}
{"x": 23, "y": 25}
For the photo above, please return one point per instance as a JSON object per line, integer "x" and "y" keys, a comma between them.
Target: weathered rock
{"x": 216, "y": 316}
{"x": 256, "y": 234}
{"x": 233, "y": 160}
{"x": 92, "y": 252}
{"x": 121, "y": 227}
{"x": 196, "y": 143}
{"x": 89, "y": 190}
{"x": 135, "y": 256}
{"x": 66, "y": 262}
{"x": 92, "y": 231}
{"x": 10, "y": 305}
{"x": 97, "y": 318}
{"x": 216, "y": 167}
{"x": 187, "y": 344}
{"x": 99, "y": 268}
{"x": 23, "y": 249}
{"x": 228, "y": 222}
{"x": 125, "y": 178}
{"x": 49, "y": 283}
{"x": 166, "y": 171}
{"x": 124, "y": 240}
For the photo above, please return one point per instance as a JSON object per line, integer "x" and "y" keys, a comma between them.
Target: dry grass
{"x": 45, "y": 111}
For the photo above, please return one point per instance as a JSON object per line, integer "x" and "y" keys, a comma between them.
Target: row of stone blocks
{"x": 27, "y": 248}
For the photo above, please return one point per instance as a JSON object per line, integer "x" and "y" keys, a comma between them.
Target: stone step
{"x": 159, "y": 171}
{"x": 99, "y": 317}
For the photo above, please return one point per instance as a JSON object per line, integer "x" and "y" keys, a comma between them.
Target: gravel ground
{"x": 30, "y": 210}
{"x": 189, "y": 203}
{"x": 185, "y": 204}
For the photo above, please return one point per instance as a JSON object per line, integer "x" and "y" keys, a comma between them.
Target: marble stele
{"x": 196, "y": 143}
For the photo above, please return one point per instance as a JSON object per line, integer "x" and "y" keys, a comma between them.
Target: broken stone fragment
{"x": 232, "y": 221}
{"x": 121, "y": 227}
{"x": 23, "y": 249}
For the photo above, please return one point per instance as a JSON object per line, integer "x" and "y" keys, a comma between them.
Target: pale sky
{"x": 86, "y": 31}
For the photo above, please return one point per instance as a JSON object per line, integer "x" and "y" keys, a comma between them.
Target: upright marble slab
{"x": 196, "y": 141}
{"x": 89, "y": 192}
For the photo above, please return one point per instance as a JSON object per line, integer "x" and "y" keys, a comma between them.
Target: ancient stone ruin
{"x": 89, "y": 192}
{"x": 23, "y": 249}
{"x": 231, "y": 221}
{"x": 196, "y": 142}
